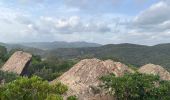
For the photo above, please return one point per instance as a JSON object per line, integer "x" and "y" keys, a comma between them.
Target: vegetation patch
{"x": 33, "y": 88}
{"x": 137, "y": 87}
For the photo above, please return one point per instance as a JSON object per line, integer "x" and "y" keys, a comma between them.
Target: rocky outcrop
{"x": 83, "y": 78}
{"x": 155, "y": 70}
{"x": 17, "y": 63}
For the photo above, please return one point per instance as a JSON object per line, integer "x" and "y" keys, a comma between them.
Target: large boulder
{"x": 155, "y": 70}
{"x": 17, "y": 63}
{"x": 83, "y": 78}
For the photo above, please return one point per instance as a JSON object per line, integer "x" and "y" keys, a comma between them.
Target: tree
{"x": 3, "y": 51}
{"x": 72, "y": 98}
{"x": 33, "y": 88}
{"x": 3, "y": 54}
{"x": 137, "y": 87}
{"x": 48, "y": 69}
{"x": 54, "y": 97}
{"x": 7, "y": 77}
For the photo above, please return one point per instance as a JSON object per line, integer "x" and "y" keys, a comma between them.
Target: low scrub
{"x": 33, "y": 88}
{"x": 137, "y": 87}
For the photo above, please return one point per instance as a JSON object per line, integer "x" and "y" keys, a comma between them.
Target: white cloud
{"x": 16, "y": 26}
{"x": 69, "y": 25}
{"x": 154, "y": 17}
{"x": 150, "y": 26}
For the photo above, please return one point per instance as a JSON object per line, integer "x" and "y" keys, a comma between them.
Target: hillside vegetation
{"x": 35, "y": 83}
{"x": 130, "y": 54}
{"x": 59, "y": 44}
{"x": 136, "y": 55}
{"x": 137, "y": 87}
{"x": 47, "y": 69}
{"x": 33, "y": 88}
{"x": 3, "y": 52}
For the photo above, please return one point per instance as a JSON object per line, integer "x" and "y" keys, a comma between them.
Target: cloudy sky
{"x": 100, "y": 21}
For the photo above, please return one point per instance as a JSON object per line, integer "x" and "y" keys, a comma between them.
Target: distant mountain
{"x": 12, "y": 46}
{"x": 56, "y": 45}
{"x": 133, "y": 54}
{"x": 39, "y": 48}
{"x": 136, "y": 55}
{"x": 34, "y": 51}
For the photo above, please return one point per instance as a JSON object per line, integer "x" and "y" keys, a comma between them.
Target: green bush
{"x": 48, "y": 69}
{"x": 60, "y": 88}
{"x": 3, "y": 55}
{"x": 7, "y": 77}
{"x": 54, "y": 97}
{"x": 137, "y": 87}
{"x": 33, "y": 88}
{"x": 72, "y": 98}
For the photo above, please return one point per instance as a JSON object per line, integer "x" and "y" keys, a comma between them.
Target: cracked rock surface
{"x": 155, "y": 70}
{"x": 83, "y": 78}
{"x": 17, "y": 62}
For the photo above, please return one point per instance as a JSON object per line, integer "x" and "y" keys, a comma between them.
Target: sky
{"x": 99, "y": 21}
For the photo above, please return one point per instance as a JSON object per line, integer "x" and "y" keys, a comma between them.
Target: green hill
{"x": 3, "y": 52}
{"x": 59, "y": 44}
{"x": 133, "y": 54}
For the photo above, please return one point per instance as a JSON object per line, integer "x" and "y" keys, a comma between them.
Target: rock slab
{"x": 155, "y": 70}
{"x": 17, "y": 63}
{"x": 83, "y": 78}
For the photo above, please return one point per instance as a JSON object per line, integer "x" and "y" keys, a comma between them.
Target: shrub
{"x": 48, "y": 69}
{"x": 137, "y": 87}
{"x": 7, "y": 77}
{"x": 72, "y": 98}
{"x": 33, "y": 88}
{"x": 54, "y": 97}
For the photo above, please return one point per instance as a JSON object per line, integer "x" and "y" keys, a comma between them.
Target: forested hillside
{"x": 47, "y": 69}
{"x": 3, "y": 52}
{"x": 37, "y": 83}
{"x": 59, "y": 44}
{"x": 133, "y": 54}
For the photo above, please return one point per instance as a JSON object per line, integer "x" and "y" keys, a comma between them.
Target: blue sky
{"x": 100, "y": 21}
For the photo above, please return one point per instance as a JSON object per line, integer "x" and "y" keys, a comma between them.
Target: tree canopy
{"x": 137, "y": 87}
{"x": 33, "y": 88}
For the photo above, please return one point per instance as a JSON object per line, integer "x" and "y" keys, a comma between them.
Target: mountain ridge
{"x": 59, "y": 44}
{"x": 127, "y": 53}
{"x": 136, "y": 55}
